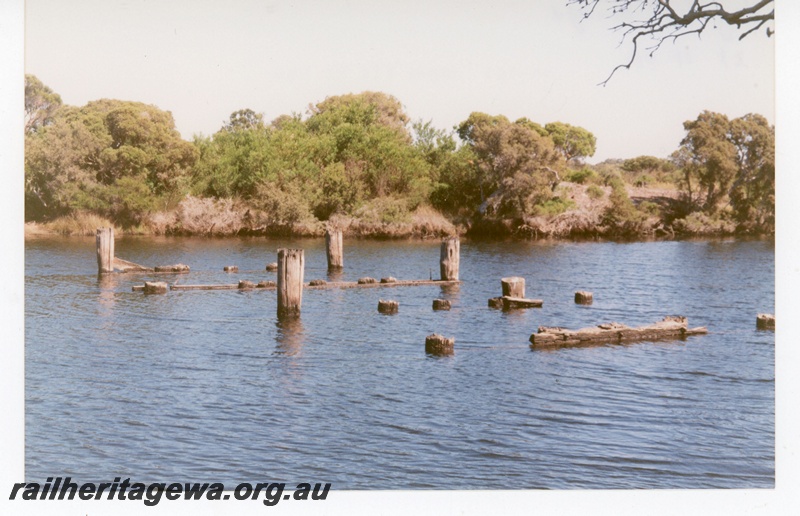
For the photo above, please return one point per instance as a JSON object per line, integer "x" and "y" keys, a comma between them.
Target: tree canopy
{"x": 41, "y": 104}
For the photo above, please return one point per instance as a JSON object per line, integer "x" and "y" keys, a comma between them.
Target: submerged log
{"x": 495, "y": 302}
{"x": 583, "y": 298}
{"x": 765, "y": 322}
{"x": 389, "y": 279}
{"x": 327, "y": 285}
{"x": 366, "y": 281}
{"x": 266, "y": 284}
{"x": 439, "y": 345}
{"x": 513, "y": 286}
{"x": 272, "y": 267}
{"x": 441, "y": 304}
{"x": 388, "y": 306}
{"x": 669, "y": 328}
{"x": 172, "y": 268}
{"x": 231, "y": 268}
{"x": 126, "y": 266}
{"x": 245, "y": 284}
{"x": 449, "y": 258}
{"x": 520, "y": 302}
{"x": 155, "y": 287}
{"x": 317, "y": 283}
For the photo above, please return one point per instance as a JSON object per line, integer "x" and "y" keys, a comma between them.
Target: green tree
{"x": 574, "y": 143}
{"x": 41, "y": 103}
{"x": 118, "y": 159}
{"x": 730, "y": 163}
{"x": 516, "y": 164}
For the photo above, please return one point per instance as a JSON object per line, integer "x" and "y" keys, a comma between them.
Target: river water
{"x": 209, "y": 385}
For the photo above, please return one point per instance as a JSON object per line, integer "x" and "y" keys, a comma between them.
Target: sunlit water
{"x": 209, "y": 386}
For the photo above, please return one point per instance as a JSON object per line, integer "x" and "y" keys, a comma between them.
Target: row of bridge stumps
{"x": 290, "y": 269}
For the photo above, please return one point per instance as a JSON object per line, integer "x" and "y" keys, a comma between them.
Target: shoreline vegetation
{"x": 357, "y": 163}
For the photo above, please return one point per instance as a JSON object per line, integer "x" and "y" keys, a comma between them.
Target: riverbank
{"x": 590, "y": 214}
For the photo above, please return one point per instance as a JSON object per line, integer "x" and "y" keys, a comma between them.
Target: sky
{"x": 443, "y": 59}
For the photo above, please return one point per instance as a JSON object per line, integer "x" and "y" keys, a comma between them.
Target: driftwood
{"x": 520, "y": 302}
{"x": 271, "y": 285}
{"x": 669, "y": 328}
{"x": 172, "y": 268}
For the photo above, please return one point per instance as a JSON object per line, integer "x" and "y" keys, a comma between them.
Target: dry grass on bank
{"x": 76, "y": 224}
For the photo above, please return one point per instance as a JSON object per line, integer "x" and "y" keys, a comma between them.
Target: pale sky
{"x": 443, "y": 59}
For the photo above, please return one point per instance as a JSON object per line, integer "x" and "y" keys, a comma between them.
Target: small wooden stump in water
{"x": 366, "y": 281}
{"x": 272, "y": 267}
{"x": 155, "y": 287}
{"x": 389, "y": 279}
{"x": 449, "y": 257}
{"x": 317, "y": 283}
{"x": 231, "y": 268}
{"x": 765, "y": 322}
{"x": 291, "y": 266}
{"x": 244, "y": 284}
{"x": 583, "y": 298}
{"x": 495, "y": 302}
{"x": 441, "y": 304}
{"x": 333, "y": 249}
{"x": 439, "y": 345}
{"x": 172, "y": 268}
{"x": 105, "y": 250}
{"x": 265, "y": 284}
{"x": 513, "y": 286}
{"x": 388, "y": 307}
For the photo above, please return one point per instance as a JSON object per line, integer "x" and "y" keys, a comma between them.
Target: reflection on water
{"x": 119, "y": 383}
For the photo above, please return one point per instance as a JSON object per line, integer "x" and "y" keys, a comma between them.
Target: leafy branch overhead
{"x": 668, "y": 20}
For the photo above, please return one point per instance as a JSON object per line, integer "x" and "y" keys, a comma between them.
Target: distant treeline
{"x": 357, "y": 161}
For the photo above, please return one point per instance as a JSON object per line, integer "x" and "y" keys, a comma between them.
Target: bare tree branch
{"x": 661, "y": 20}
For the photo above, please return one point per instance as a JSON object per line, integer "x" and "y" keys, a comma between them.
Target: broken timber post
{"x": 333, "y": 249}
{"x": 291, "y": 263}
{"x": 765, "y": 322}
{"x": 583, "y": 298}
{"x": 155, "y": 287}
{"x": 441, "y": 304}
{"x": 449, "y": 258}
{"x": 513, "y": 287}
{"x": 388, "y": 306}
{"x": 439, "y": 345}
{"x": 105, "y": 250}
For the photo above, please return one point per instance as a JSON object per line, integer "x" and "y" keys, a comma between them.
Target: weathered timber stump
{"x": 366, "y": 281}
{"x": 495, "y": 302}
{"x": 520, "y": 302}
{"x": 388, "y": 306}
{"x": 389, "y": 279}
{"x": 291, "y": 265}
{"x": 441, "y": 304}
{"x": 265, "y": 284}
{"x": 172, "y": 268}
{"x": 583, "y": 298}
{"x": 105, "y": 250}
{"x": 513, "y": 287}
{"x": 765, "y": 322}
{"x": 317, "y": 283}
{"x": 333, "y": 249}
{"x": 245, "y": 284}
{"x": 155, "y": 287}
{"x": 449, "y": 258}
{"x": 272, "y": 267}
{"x": 439, "y": 345}
{"x": 231, "y": 268}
